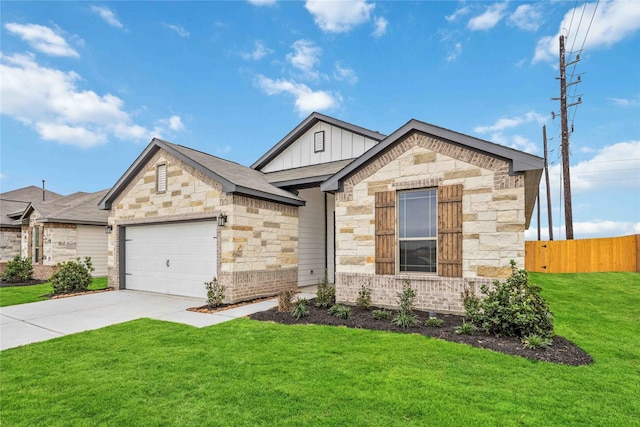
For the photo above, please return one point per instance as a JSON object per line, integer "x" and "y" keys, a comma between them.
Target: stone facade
{"x": 257, "y": 248}
{"x": 493, "y": 219}
{"x": 10, "y": 243}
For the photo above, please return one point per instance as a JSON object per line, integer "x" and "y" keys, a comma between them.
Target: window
{"x": 161, "y": 178}
{"x": 318, "y": 142}
{"x": 36, "y": 244}
{"x": 417, "y": 231}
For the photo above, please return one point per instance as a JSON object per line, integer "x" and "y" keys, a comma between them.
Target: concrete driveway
{"x": 44, "y": 320}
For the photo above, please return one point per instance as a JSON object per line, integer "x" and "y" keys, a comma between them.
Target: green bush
{"x": 465, "y": 328}
{"x": 434, "y": 322}
{"x": 513, "y": 308}
{"x": 405, "y": 317}
{"x": 215, "y": 293}
{"x": 71, "y": 276}
{"x": 19, "y": 269}
{"x": 326, "y": 294}
{"x": 301, "y": 309}
{"x": 381, "y": 314}
{"x": 341, "y": 311}
{"x": 536, "y": 341}
{"x": 364, "y": 298}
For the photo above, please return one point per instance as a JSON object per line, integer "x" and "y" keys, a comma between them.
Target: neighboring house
{"x": 58, "y": 228}
{"x": 12, "y": 205}
{"x": 443, "y": 209}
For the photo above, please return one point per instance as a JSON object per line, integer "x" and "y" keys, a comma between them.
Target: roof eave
{"x": 301, "y": 181}
{"x": 294, "y": 201}
{"x": 71, "y": 221}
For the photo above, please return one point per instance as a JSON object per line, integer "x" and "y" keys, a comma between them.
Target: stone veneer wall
{"x": 493, "y": 220}
{"x": 10, "y": 243}
{"x": 257, "y": 248}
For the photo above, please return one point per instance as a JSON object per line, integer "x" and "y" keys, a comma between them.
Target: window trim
{"x": 158, "y": 178}
{"x": 399, "y": 239}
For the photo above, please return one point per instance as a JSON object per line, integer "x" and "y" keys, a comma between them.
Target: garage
{"x": 173, "y": 258}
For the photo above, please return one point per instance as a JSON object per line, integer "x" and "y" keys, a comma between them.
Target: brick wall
{"x": 493, "y": 216}
{"x": 10, "y": 243}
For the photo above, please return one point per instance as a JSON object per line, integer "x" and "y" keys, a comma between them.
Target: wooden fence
{"x": 583, "y": 256}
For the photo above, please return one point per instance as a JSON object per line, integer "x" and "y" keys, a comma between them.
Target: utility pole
{"x": 546, "y": 177}
{"x": 568, "y": 212}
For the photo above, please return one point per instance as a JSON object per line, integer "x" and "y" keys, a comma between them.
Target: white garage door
{"x": 172, "y": 258}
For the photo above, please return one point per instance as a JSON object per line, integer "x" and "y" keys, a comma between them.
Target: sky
{"x": 85, "y": 86}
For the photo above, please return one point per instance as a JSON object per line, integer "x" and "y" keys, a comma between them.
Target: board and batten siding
{"x": 331, "y": 237}
{"x": 92, "y": 242}
{"x": 339, "y": 144}
{"x": 311, "y": 238}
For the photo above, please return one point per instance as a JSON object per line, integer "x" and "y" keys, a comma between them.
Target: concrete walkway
{"x": 40, "y": 321}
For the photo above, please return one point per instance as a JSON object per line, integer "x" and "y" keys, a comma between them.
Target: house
{"x": 55, "y": 228}
{"x": 440, "y": 208}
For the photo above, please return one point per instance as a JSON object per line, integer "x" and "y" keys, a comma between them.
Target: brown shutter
{"x": 450, "y": 230}
{"x": 385, "y": 232}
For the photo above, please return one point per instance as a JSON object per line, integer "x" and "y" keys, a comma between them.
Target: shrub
{"x": 71, "y": 276}
{"x": 285, "y": 300}
{"x": 326, "y": 294}
{"x": 301, "y": 309}
{"x": 381, "y": 314}
{"x": 19, "y": 269}
{"x": 364, "y": 298}
{"x": 341, "y": 311}
{"x": 536, "y": 341}
{"x": 405, "y": 317}
{"x": 215, "y": 293}
{"x": 513, "y": 308}
{"x": 465, "y": 328}
{"x": 434, "y": 322}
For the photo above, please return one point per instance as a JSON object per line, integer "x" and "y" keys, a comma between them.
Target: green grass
{"x": 13, "y": 295}
{"x": 247, "y": 373}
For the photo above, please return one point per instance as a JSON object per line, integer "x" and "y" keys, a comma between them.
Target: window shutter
{"x": 385, "y": 223}
{"x": 450, "y": 230}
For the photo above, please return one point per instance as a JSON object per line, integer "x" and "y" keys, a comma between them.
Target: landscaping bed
{"x": 4, "y": 284}
{"x": 562, "y": 351}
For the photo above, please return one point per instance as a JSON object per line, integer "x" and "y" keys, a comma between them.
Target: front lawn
{"x": 250, "y": 373}
{"x": 13, "y": 295}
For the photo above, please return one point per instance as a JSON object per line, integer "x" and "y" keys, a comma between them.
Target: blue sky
{"x": 85, "y": 86}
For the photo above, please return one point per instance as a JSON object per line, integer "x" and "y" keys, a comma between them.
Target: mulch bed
{"x": 4, "y": 284}
{"x": 562, "y": 351}
{"x": 222, "y": 307}
{"x": 78, "y": 293}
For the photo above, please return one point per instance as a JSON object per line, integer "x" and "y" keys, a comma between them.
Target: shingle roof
{"x": 76, "y": 208}
{"x": 233, "y": 177}
{"x": 13, "y": 203}
{"x": 306, "y": 174}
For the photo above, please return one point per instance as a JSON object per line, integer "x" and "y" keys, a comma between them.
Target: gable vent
{"x": 161, "y": 178}
{"x": 318, "y": 142}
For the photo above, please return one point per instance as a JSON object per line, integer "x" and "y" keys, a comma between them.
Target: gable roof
{"x": 13, "y": 203}
{"x": 519, "y": 161}
{"x": 233, "y": 177}
{"x": 303, "y": 127}
{"x": 76, "y": 208}
{"x": 305, "y": 175}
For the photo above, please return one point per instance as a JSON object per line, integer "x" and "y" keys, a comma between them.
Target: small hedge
{"x": 18, "y": 270}
{"x": 71, "y": 276}
{"x": 513, "y": 308}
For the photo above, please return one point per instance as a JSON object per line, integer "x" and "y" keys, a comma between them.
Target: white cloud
{"x": 49, "y": 100}
{"x": 305, "y": 56}
{"x": 489, "y": 19}
{"x": 345, "y": 74}
{"x": 178, "y": 29}
{"x": 458, "y": 13}
{"x": 42, "y": 39}
{"x": 521, "y": 143}
{"x": 526, "y": 17}
{"x": 174, "y": 123}
{"x": 380, "y": 27}
{"x": 613, "y": 21}
{"x": 306, "y": 100}
{"x": 259, "y": 52}
{"x": 507, "y": 123}
{"x": 263, "y": 2}
{"x": 624, "y": 102}
{"x": 455, "y": 52}
{"x": 339, "y": 16}
{"x": 108, "y": 16}
{"x": 617, "y": 164}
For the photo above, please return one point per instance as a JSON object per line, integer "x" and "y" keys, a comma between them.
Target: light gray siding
{"x": 92, "y": 241}
{"x": 311, "y": 238}
{"x": 331, "y": 237}
{"x": 339, "y": 144}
